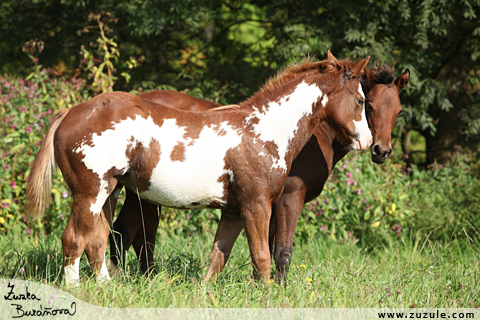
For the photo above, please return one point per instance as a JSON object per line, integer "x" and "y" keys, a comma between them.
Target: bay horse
{"x": 310, "y": 170}
{"x": 235, "y": 158}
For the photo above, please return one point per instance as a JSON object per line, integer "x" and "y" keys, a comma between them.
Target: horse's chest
{"x": 164, "y": 163}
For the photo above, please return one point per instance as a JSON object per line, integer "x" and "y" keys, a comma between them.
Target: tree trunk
{"x": 447, "y": 139}
{"x": 407, "y": 144}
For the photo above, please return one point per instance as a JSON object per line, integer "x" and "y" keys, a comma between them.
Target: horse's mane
{"x": 380, "y": 75}
{"x": 295, "y": 70}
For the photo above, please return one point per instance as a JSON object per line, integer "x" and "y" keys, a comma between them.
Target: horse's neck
{"x": 340, "y": 151}
{"x": 332, "y": 150}
{"x": 288, "y": 120}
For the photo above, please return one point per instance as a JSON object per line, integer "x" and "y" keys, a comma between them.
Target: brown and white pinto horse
{"x": 310, "y": 170}
{"x": 236, "y": 158}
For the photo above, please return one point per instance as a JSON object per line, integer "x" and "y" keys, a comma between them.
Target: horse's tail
{"x": 40, "y": 179}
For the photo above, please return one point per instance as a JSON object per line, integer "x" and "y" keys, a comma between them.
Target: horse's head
{"x": 382, "y": 107}
{"x": 345, "y": 112}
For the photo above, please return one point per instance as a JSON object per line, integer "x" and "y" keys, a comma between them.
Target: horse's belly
{"x": 178, "y": 185}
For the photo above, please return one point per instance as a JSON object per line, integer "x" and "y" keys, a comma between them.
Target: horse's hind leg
{"x": 76, "y": 235}
{"x": 229, "y": 228}
{"x": 88, "y": 230}
{"x": 111, "y": 203}
{"x": 97, "y": 243}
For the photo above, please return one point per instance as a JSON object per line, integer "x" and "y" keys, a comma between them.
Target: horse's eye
{"x": 369, "y": 106}
{"x": 360, "y": 102}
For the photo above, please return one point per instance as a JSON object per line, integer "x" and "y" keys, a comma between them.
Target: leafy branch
{"x": 99, "y": 62}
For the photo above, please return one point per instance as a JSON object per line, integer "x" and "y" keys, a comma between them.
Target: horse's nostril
{"x": 376, "y": 149}
{"x": 389, "y": 152}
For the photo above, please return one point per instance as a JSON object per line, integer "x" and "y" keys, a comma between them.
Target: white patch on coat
{"x": 96, "y": 207}
{"x": 72, "y": 273}
{"x": 278, "y": 121}
{"x": 324, "y": 100}
{"x": 195, "y": 180}
{"x": 172, "y": 183}
{"x": 364, "y": 135}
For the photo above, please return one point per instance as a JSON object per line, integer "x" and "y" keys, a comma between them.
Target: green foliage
{"x": 25, "y": 106}
{"x": 101, "y": 70}
{"x": 184, "y": 222}
{"x": 378, "y": 204}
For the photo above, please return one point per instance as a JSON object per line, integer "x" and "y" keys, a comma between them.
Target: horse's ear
{"x": 402, "y": 81}
{"x": 359, "y": 66}
{"x": 331, "y": 57}
{"x": 368, "y": 75}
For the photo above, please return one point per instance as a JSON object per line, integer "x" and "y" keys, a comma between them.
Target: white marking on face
{"x": 360, "y": 90}
{"x": 72, "y": 273}
{"x": 278, "y": 122}
{"x": 172, "y": 183}
{"x": 364, "y": 136}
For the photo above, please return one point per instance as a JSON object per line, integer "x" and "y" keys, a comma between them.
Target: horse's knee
{"x": 72, "y": 244}
{"x": 96, "y": 246}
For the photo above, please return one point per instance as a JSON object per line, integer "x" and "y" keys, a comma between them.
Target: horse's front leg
{"x": 229, "y": 228}
{"x": 256, "y": 216}
{"x": 287, "y": 211}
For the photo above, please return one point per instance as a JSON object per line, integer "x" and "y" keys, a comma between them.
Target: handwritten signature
{"x": 35, "y": 312}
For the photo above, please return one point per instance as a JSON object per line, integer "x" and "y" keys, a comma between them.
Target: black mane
{"x": 383, "y": 74}
{"x": 379, "y": 75}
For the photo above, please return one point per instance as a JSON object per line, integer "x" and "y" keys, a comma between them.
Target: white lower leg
{"x": 103, "y": 273}
{"x": 72, "y": 273}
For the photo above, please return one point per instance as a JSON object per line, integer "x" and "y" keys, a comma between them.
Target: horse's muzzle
{"x": 379, "y": 155}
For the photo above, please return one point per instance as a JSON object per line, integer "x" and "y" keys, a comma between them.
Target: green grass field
{"x": 323, "y": 273}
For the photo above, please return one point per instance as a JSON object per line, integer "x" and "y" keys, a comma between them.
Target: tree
{"x": 437, "y": 40}
{"x": 225, "y": 49}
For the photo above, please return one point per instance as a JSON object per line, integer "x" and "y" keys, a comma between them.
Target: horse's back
{"x": 178, "y": 100}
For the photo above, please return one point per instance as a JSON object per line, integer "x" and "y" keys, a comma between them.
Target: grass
{"x": 323, "y": 274}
